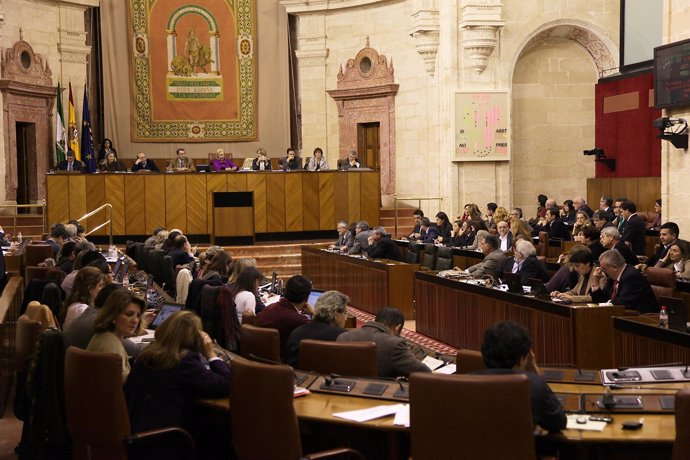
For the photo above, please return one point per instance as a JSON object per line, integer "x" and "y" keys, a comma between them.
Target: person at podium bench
{"x": 525, "y": 262}
{"x": 261, "y": 162}
{"x": 351, "y": 162}
{"x": 292, "y": 162}
{"x": 582, "y": 262}
{"x": 318, "y": 162}
{"x": 507, "y": 349}
{"x": 144, "y": 164}
{"x": 181, "y": 162}
{"x": 493, "y": 258}
{"x": 345, "y": 239}
{"x": 381, "y": 246}
{"x": 361, "y": 238}
{"x": 625, "y": 285}
{"x": 223, "y": 162}
{"x": 112, "y": 164}
{"x": 393, "y": 355}
{"x": 70, "y": 163}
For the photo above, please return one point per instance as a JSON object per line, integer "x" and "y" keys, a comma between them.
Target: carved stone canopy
{"x": 21, "y": 64}
{"x": 368, "y": 68}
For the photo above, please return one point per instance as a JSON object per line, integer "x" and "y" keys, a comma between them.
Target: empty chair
{"x": 344, "y": 358}
{"x": 44, "y": 273}
{"x": 36, "y": 253}
{"x": 468, "y": 361}
{"x": 662, "y": 281}
{"x": 429, "y": 256}
{"x": 449, "y": 416}
{"x": 263, "y": 420}
{"x": 444, "y": 258}
{"x": 543, "y": 246}
{"x": 412, "y": 256}
{"x": 260, "y": 342}
{"x": 97, "y": 414}
{"x": 682, "y": 441}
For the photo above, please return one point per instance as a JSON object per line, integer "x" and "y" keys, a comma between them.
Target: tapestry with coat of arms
{"x": 193, "y": 70}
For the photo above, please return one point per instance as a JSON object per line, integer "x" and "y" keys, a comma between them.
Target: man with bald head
{"x": 144, "y": 164}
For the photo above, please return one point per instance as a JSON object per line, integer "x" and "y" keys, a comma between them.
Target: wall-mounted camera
{"x": 674, "y": 130}
{"x": 600, "y": 157}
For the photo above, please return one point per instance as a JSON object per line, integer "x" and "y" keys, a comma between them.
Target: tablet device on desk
{"x": 514, "y": 283}
{"x": 314, "y": 296}
{"x": 165, "y": 312}
{"x": 676, "y": 313}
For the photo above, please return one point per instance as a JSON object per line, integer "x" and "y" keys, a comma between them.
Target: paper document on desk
{"x": 364, "y": 415}
{"x": 432, "y": 363}
{"x": 402, "y": 417}
{"x": 447, "y": 369}
{"x": 588, "y": 426}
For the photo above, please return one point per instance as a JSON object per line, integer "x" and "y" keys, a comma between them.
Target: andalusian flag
{"x": 87, "y": 136}
{"x": 73, "y": 133}
{"x": 61, "y": 137}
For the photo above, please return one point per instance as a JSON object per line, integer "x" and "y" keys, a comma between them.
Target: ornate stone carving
{"x": 22, "y": 64}
{"x": 72, "y": 46}
{"x": 425, "y": 32}
{"x": 480, "y": 23}
{"x": 312, "y": 51}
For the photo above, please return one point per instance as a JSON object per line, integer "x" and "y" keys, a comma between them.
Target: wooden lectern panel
{"x": 57, "y": 194}
{"x": 233, "y": 214}
{"x": 294, "y": 202}
{"x": 353, "y": 198}
{"x": 275, "y": 202}
{"x": 77, "y": 196}
{"x": 135, "y": 211}
{"x": 95, "y": 191}
{"x": 196, "y": 203}
{"x": 328, "y": 198}
{"x": 115, "y": 192}
{"x": 214, "y": 183}
{"x": 257, "y": 183}
{"x": 370, "y": 202}
{"x": 155, "y": 201}
{"x": 311, "y": 200}
{"x": 175, "y": 202}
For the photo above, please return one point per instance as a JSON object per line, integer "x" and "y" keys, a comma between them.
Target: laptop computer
{"x": 538, "y": 289}
{"x": 116, "y": 267}
{"x": 164, "y": 313}
{"x": 677, "y": 319}
{"x": 314, "y": 296}
{"x": 124, "y": 268}
{"x": 514, "y": 282}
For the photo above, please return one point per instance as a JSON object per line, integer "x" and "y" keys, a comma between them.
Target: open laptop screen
{"x": 164, "y": 313}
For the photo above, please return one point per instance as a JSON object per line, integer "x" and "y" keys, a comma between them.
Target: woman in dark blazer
{"x": 170, "y": 375}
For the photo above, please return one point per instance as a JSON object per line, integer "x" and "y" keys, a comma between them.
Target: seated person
{"x": 600, "y": 219}
{"x": 289, "y": 312}
{"x": 181, "y": 253}
{"x": 463, "y": 234}
{"x": 566, "y": 277}
{"x": 625, "y": 285}
{"x": 610, "y": 238}
{"x": 676, "y": 259}
{"x": 590, "y": 236}
{"x": 507, "y": 349}
{"x": 361, "y": 239}
{"x": 493, "y": 259}
{"x": 111, "y": 164}
{"x": 70, "y": 163}
{"x": 668, "y": 233}
{"x": 223, "y": 162}
{"x": 428, "y": 232}
{"x": 351, "y": 162}
{"x": 416, "y": 231}
{"x": 318, "y": 162}
{"x": 582, "y": 262}
{"x": 345, "y": 240}
{"x": 261, "y": 162}
{"x": 66, "y": 257}
{"x": 327, "y": 324}
{"x": 292, "y": 162}
{"x": 393, "y": 355}
{"x": 444, "y": 228}
{"x": 181, "y": 162}
{"x": 581, "y": 221}
{"x": 525, "y": 262}
{"x": 381, "y": 246}
{"x": 504, "y": 236}
{"x": 144, "y": 164}
{"x": 553, "y": 225}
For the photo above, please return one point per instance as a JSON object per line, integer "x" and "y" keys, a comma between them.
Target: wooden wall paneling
{"x": 154, "y": 199}
{"x": 257, "y": 183}
{"x": 57, "y": 198}
{"x": 332, "y": 197}
{"x": 354, "y": 193}
{"x": 196, "y": 195}
{"x": 310, "y": 192}
{"x": 175, "y": 202}
{"x": 648, "y": 190}
{"x": 370, "y": 207}
{"x": 294, "y": 202}
{"x": 624, "y": 188}
{"x": 135, "y": 212}
{"x": 115, "y": 194}
{"x": 77, "y": 196}
{"x": 237, "y": 182}
{"x": 95, "y": 191}
{"x": 275, "y": 202}
{"x": 214, "y": 183}
{"x": 596, "y": 187}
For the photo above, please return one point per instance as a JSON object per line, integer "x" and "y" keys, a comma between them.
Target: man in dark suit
{"x": 428, "y": 232}
{"x": 633, "y": 228}
{"x": 580, "y": 204}
{"x": 381, "y": 246}
{"x": 416, "y": 232}
{"x": 610, "y": 238}
{"x": 493, "y": 260}
{"x": 70, "y": 163}
{"x": 618, "y": 221}
{"x": 525, "y": 262}
{"x": 345, "y": 241}
{"x": 553, "y": 225}
{"x": 292, "y": 162}
{"x": 507, "y": 349}
{"x": 625, "y": 285}
{"x": 606, "y": 206}
{"x": 668, "y": 234}
{"x": 505, "y": 237}
{"x": 361, "y": 239}
{"x": 144, "y": 164}
{"x": 351, "y": 162}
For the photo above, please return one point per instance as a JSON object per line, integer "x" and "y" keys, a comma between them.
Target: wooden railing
{"x": 109, "y": 222}
{"x": 10, "y": 303}
{"x": 41, "y": 205}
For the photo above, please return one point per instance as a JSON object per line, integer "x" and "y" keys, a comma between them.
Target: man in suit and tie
{"x": 428, "y": 231}
{"x": 618, "y": 220}
{"x": 345, "y": 240}
{"x": 351, "y": 162}
{"x": 525, "y": 262}
{"x": 70, "y": 163}
{"x": 381, "y": 246}
{"x": 668, "y": 234}
{"x": 553, "y": 225}
{"x": 610, "y": 238}
{"x": 490, "y": 211}
{"x": 144, "y": 164}
{"x": 625, "y": 285}
{"x": 606, "y": 206}
{"x": 416, "y": 232}
{"x": 493, "y": 258}
{"x": 181, "y": 162}
{"x": 633, "y": 228}
{"x": 361, "y": 240}
{"x": 505, "y": 237}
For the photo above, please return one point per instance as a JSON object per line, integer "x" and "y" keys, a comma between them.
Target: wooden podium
{"x": 233, "y": 217}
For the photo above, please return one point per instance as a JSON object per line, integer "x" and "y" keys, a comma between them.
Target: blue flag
{"x": 87, "y": 150}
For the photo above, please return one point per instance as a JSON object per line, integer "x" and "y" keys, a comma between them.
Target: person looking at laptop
{"x": 582, "y": 262}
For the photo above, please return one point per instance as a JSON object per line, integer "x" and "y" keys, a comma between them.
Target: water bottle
{"x": 19, "y": 237}
{"x": 663, "y": 318}
{"x": 125, "y": 280}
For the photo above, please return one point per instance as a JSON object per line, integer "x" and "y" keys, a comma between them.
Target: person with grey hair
{"x": 381, "y": 246}
{"x": 493, "y": 258}
{"x": 525, "y": 262}
{"x": 351, "y": 162}
{"x": 580, "y": 204}
{"x": 328, "y": 323}
{"x": 361, "y": 238}
{"x": 345, "y": 240}
{"x": 625, "y": 285}
{"x": 610, "y": 238}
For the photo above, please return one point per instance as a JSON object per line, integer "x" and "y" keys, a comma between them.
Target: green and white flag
{"x": 61, "y": 136}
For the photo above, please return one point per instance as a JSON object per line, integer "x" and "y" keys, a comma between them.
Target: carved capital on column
{"x": 480, "y": 23}
{"x": 312, "y": 51}
{"x": 72, "y": 46}
{"x": 425, "y": 33}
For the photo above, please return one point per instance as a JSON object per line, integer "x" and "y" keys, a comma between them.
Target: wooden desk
{"x": 283, "y": 202}
{"x": 458, "y": 313}
{"x": 639, "y": 341}
{"x": 370, "y": 284}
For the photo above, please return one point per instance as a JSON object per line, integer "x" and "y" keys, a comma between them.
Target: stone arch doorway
{"x": 28, "y": 99}
{"x": 553, "y": 82}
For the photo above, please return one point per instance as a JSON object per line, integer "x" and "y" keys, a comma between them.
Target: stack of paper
{"x": 401, "y": 412}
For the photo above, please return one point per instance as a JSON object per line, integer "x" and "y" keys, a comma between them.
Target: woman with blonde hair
{"x": 170, "y": 375}
{"x": 581, "y": 221}
{"x": 117, "y": 320}
{"x": 676, "y": 259}
{"x": 520, "y": 229}
{"x": 237, "y": 266}
{"x": 501, "y": 214}
{"x": 223, "y": 162}
{"x": 87, "y": 284}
